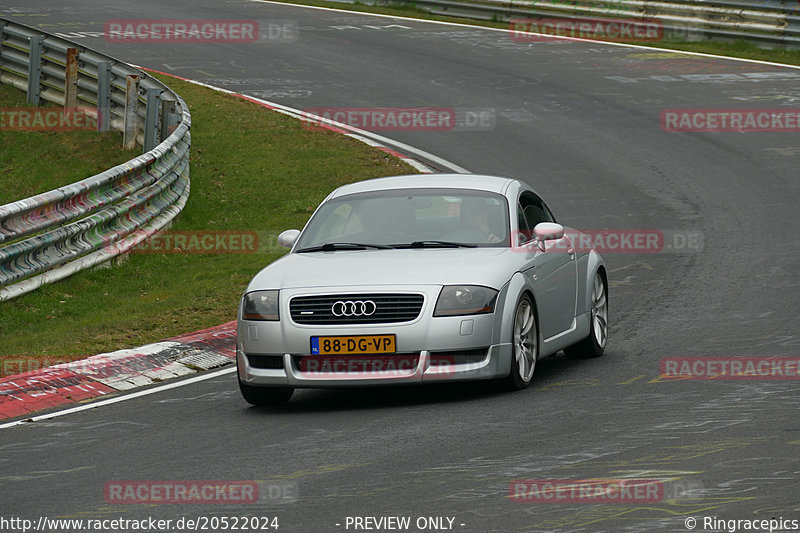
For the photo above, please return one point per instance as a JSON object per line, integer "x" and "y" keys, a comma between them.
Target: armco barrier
{"x": 764, "y": 22}
{"x": 54, "y": 234}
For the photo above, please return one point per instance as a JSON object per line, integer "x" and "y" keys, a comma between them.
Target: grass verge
{"x": 32, "y": 162}
{"x": 252, "y": 170}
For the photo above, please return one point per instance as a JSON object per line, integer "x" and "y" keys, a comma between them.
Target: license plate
{"x": 353, "y": 345}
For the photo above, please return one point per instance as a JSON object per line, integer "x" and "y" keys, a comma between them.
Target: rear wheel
{"x": 524, "y": 345}
{"x": 595, "y": 343}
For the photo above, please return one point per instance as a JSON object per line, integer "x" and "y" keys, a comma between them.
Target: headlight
{"x": 261, "y": 305}
{"x": 457, "y": 300}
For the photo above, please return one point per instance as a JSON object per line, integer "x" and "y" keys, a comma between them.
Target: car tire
{"x": 524, "y": 345}
{"x": 594, "y": 345}
{"x": 265, "y": 396}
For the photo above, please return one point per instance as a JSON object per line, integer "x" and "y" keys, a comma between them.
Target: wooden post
{"x": 131, "y": 104}
{"x": 71, "y": 79}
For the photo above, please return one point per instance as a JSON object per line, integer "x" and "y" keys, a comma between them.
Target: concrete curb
{"x": 117, "y": 371}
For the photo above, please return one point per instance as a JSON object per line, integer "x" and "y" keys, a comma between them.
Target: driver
{"x": 475, "y": 218}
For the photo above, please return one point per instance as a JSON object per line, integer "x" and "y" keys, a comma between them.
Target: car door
{"x": 553, "y": 272}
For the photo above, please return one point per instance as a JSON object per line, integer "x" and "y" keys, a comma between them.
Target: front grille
{"x": 389, "y": 308}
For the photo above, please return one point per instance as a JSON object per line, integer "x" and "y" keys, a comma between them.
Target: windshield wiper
{"x": 333, "y": 246}
{"x": 436, "y": 244}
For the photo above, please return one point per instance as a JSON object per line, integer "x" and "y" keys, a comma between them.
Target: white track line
{"x": 304, "y": 115}
{"x": 116, "y": 399}
{"x": 463, "y": 25}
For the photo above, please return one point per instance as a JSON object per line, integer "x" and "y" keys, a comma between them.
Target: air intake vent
{"x": 356, "y": 308}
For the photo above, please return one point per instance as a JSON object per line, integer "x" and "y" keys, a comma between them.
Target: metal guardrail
{"x": 54, "y": 234}
{"x": 765, "y": 22}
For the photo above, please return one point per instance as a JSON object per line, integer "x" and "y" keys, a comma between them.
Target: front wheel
{"x": 265, "y": 396}
{"x": 595, "y": 343}
{"x": 524, "y": 345}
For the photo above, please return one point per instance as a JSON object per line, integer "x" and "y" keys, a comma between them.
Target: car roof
{"x": 496, "y": 184}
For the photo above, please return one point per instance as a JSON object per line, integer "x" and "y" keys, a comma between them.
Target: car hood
{"x": 430, "y": 266}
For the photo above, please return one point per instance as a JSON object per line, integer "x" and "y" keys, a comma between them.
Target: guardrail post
{"x": 151, "y": 118}
{"x": 695, "y": 32}
{"x": 792, "y": 31}
{"x": 131, "y": 104}
{"x": 71, "y": 79}
{"x": 104, "y": 95}
{"x": 169, "y": 118}
{"x": 2, "y": 30}
{"x": 35, "y": 68}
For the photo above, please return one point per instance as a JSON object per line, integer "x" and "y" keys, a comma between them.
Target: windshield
{"x": 400, "y": 218}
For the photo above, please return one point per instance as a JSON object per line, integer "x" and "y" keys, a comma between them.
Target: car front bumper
{"x": 428, "y": 349}
{"x": 336, "y": 371}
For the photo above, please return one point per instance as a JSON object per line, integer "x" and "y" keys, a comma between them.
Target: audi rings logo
{"x": 354, "y": 308}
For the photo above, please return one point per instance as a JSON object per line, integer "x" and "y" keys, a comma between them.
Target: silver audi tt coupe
{"x": 420, "y": 279}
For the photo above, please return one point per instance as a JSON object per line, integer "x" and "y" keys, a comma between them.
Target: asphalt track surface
{"x": 579, "y": 121}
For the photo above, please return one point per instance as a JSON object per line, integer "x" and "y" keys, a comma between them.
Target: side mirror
{"x": 288, "y": 238}
{"x": 547, "y": 231}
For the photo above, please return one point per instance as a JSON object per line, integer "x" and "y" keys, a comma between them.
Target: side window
{"x": 525, "y": 229}
{"x": 532, "y": 210}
